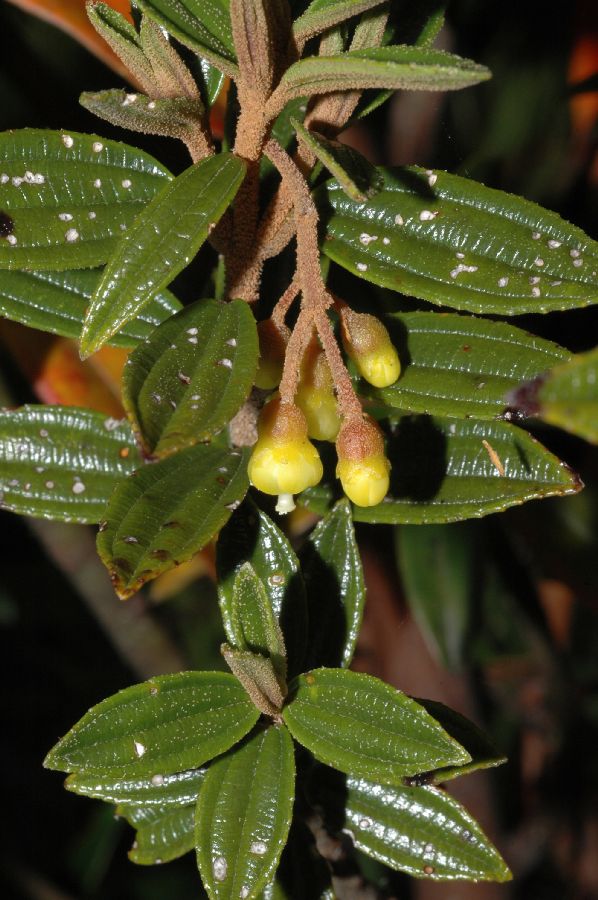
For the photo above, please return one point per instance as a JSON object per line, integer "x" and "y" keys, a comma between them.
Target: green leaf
{"x": 411, "y": 68}
{"x": 180, "y": 789}
{"x": 67, "y": 199}
{"x": 176, "y": 117}
{"x": 443, "y": 472}
{"x": 454, "y": 242}
{"x": 168, "y": 511}
{"x": 437, "y": 573}
{"x": 162, "y": 726}
{"x": 185, "y": 382}
{"x": 567, "y": 396}
{"x": 243, "y": 815}
{"x": 324, "y": 14}
{"x": 460, "y": 365}
{"x": 335, "y": 588}
{"x": 255, "y": 624}
{"x": 122, "y": 37}
{"x": 358, "y": 177}
{"x": 162, "y": 834}
{"x": 251, "y": 536}
{"x": 482, "y": 751}
{"x": 61, "y": 462}
{"x": 202, "y": 25}
{"x": 164, "y": 239}
{"x": 421, "y": 831}
{"x": 362, "y": 726}
{"x": 57, "y": 301}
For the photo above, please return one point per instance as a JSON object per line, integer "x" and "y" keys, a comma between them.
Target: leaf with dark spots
{"x": 6, "y": 225}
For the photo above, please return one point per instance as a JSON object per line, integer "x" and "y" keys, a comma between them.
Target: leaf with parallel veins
{"x": 162, "y": 791}
{"x": 162, "y": 834}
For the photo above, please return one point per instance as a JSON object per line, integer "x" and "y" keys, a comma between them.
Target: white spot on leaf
{"x": 220, "y": 868}
{"x": 139, "y": 748}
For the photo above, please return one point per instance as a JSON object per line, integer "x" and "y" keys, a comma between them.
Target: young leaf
{"x": 162, "y": 834}
{"x": 202, "y": 25}
{"x": 411, "y": 68}
{"x": 185, "y": 382}
{"x": 62, "y": 463}
{"x": 457, "y": 243}
{"x": 176, "y": 117}
{"x": 165, "y": 725}
{"x": 324, "y": 14}
{"x": 437, "y": 572}
{"x": 168, "y": 511}
{"x": 335, "y": 588}
{"x": 445, "y": 470}
{"x": 251, "y": 536}
{"x": 484, "y": 754}
{"x": 180, "y": 789}
{"x": 259, "y": 678}
{"x": 243, "y": 815}
{"x": 67, "y": 199}
{"x": 162, "y": 242}
{"x": 422, "y": 831}
{"x": 362, "y": 726}
{"x": 567, "y": 396}
{"x": 253, "y": 619}
{"x": 461, "y": 366}
{"x": 122, "y": 37}
{"x": 57, "y": 301}
{"x": 358, "y": 178}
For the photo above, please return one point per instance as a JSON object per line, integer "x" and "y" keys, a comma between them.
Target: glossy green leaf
{"x": 461, "y": 366}
{"x": 457, "y": 243}
{"x": 212, "y": 82}
{"x": 162, "y": 834}
{"x": 180, "y": 789}
{"x": 253, "y": 619}
{"x": 324, "y": 14}
{"x": 57, "y": 301}
{"x": 358, "y": 178}
{"x": 185, "y": 382}
{"x": 482, "y": 751}
{"x": 162, "y": 726}
{"x": 243, "y": 815}
{"x": 168, "y": 511}
{"x": 202, "y": 25}
{"x": 360, "y": 725}
{"x": 335, "y": 588}
{"x": 66, "y": 199}
{"x": 177, "y": 117}
{"x": 163, "y": 240}
{"x": 567, "y": 396}
{"x": 251, "y": 536}
{"x": 411, "y": 68}
{"x": 422, "y": 831}
{"x": 61, "y": 462}
{"x": 443, "y": 472}
{"x": 437, "y": 573}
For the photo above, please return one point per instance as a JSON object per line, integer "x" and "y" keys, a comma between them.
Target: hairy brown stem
{"x": 284, "y": 304}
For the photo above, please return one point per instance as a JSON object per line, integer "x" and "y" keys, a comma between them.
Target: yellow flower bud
{"x": 315, "y": 395}
{"x": 362, "y": 465}
{"x": 273, "y": 340}
{"x": 283, "y": 461}
{"x": 368, "y": 343}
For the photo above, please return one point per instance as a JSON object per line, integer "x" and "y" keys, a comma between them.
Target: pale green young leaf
{"x": 61, "y": 462}
{"x": 189, "y": 378}
{"x": 324, "y": 14}
{"x": 163, "y": 240}
{"x": 565, "y": 396}
{"x": 57, "y": 302}
{"x": 454, "y": 242}
{"x": 362, "y": 726}
{"x": 243, "y": 815}
{"x": 162, "y": 726}
{"x": 176, "y": 117}
{"x": 168, "y": 511}
{"x": 67, "y": 199}
{"x": 123, "y": 39}
{"x": 255, "y": 624}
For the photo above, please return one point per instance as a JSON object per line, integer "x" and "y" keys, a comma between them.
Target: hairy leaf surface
{"x": 162, "y": 726}
{"x": 191, "y": 376}
{"x": 243, "y": 815}
{"x": 67, "y": 198}
{"x": 168, "y": 511}
{"x": 457, "y": 243}
{"x": 62, "y": 462}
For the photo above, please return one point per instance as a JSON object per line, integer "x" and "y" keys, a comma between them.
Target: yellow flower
{"x": 315, "y": 396}
{"x": 273, "y": 340}
{"x": 368, "y": 343}
{"x": 362, "y": 466}
{"x": 380, "y": 368}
